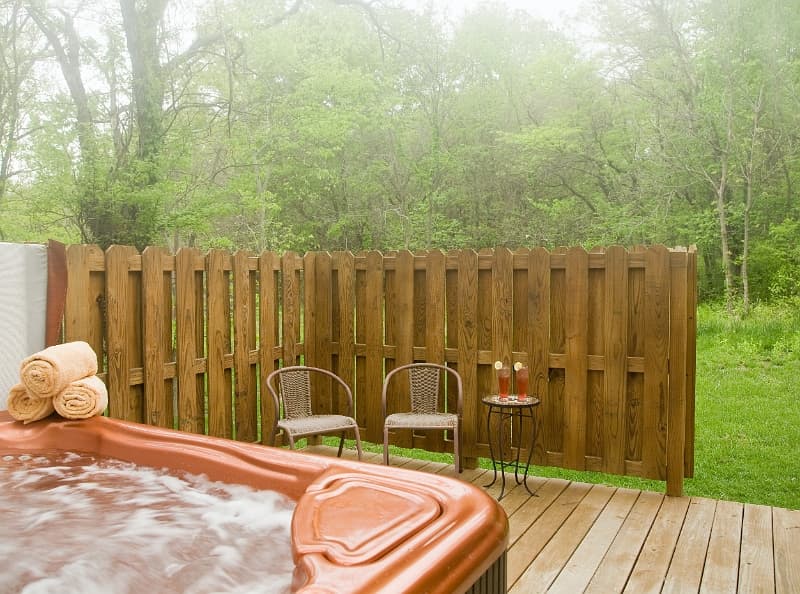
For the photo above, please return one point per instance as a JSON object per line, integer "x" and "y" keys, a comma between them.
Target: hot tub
{"x": 356, "y": 527}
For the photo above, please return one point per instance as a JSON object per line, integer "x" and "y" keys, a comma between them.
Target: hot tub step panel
{"x": 493, "y": 581}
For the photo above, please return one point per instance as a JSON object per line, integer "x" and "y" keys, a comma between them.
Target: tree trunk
{"x": 141, "y": 21}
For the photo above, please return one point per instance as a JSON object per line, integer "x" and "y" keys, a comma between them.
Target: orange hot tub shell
{"x": 357, "y": 527}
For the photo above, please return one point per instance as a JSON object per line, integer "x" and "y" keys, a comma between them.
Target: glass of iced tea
{"x": 503, "y": 380}
{"x": 522, "y": 381}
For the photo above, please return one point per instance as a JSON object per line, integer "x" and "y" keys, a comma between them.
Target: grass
{"x": 747, "y": 417}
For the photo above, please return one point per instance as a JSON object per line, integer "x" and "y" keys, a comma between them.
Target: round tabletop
{"x": 513, "y": 401}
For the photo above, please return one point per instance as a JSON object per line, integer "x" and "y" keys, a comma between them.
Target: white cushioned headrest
{"x": 23, "y": 308}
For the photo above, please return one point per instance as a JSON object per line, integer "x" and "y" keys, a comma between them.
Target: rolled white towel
{"x": 49, "y": 371}
{"x": 25, "y": 407}
{"x": 81, "y": 399}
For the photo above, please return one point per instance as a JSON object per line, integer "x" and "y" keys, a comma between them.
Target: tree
{"x": 20, "y": 51}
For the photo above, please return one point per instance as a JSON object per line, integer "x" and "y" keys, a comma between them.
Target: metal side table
{"x": 518, "y": 409}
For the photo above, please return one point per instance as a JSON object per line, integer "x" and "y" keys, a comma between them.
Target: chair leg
{"x": 358, "y": 441}
{"x": 291, "y": 440}
{"x": 386, "y": 446}
{"x": 457, "y": 448}
{"x": 341, "y": 444}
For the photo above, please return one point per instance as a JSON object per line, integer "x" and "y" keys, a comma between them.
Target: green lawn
{"x": 747, "y": 412}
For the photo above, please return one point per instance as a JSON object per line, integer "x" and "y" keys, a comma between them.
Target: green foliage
{"x": 359, "y": 126}
{"x": 775, "y": 263}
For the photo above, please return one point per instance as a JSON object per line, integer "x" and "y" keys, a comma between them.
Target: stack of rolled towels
{"x": 61, "y": 378}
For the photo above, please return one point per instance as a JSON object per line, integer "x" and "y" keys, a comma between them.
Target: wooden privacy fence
{"x": 187, "y": 340}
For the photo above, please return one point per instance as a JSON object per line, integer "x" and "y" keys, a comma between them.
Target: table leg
{"x": 501, "y": 440}
{"x": 530, "y": 451}
{"x": 491, "y": 450}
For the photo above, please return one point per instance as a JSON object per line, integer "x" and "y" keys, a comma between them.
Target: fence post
{"x": 468, "y": 351}
{"x": 676, "y": 429}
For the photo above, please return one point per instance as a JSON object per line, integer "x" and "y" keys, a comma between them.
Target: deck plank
{"x": 534, "y": 507}
{"x": 786, "y": 534}
{"x": 651, "y": 567}
{"x": 686, "y": 570}
{"x": 580, "y": 568}
{"x": 530, "y": 544}
{"x": 721, "y": 572}
{"x": 612, "y": 575}
{"x": 756, "y": 565}
{"x": 549, "y": 563}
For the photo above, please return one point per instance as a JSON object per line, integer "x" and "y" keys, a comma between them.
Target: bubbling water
{"x": 79, "y": 524}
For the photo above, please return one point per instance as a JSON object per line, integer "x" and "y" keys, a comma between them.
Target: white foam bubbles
{"x": 78, "y": 524}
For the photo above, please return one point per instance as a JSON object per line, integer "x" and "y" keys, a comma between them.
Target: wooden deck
{"x": 575, "y": 537}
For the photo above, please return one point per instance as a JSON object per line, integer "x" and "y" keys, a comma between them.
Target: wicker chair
{"x": 423, "y": 382}
{"x": 298, "y": 420}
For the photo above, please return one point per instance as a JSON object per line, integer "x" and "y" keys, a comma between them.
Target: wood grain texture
{"x": 676, "y": 399}
{"x": 290, "y": 309}
{"x": 220, "y": 421}
{"x": 268, "y": 336}
{"x": 535, "y": 539}
{"x": 189, "y": 321}
{"x": 551, "y": 560}
{"x": 579, "y": 569}
{"x": 467, "y": 348}
{"x": 85, "y": 307}
{"x": 157, "y": 332}
{"x": 651, "y": 567}
{"x": 434, "y": 336}
{"x": 721, "y": 570}
{"x": 756, "y": 559}
{"x": 344, "y": 264}
{"x": 373, "y": 324}
{"x": 124, "y": 402}
{"x": 619, "y": 561}
{"x": 691, "y": 359}
{"x": 575, "y": 332}
{"x": 786, "y": 535}
{"x": 656, "y": 347}
{"x": 616, "y": 354}
{"x": 539, "y": 344}
{"x": 686, "y": 569}
{"x": 244, "y": 341}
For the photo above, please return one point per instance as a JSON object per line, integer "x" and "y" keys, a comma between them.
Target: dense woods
{"x": 356, "y": 124}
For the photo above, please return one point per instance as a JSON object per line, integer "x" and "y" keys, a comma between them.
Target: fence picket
{"x": 219, "y": 344}
{"x": 268, "y": 264}
{"x": 157, "y": 306}
{"x": 124, "y": 335}
{"x": 343, "y": 319}
{"x": 575, "y": 333}
{"x": 189, "y": 293}
{"x": 85, "y": 306}
{"x": 373, "y": 337}
{"x": 468, "y": 349}
{"x": 616, "y": 360}
{"x": 244, "y": 341}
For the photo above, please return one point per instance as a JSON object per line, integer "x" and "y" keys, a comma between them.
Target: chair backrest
{"x": 295, "y": 390}
{"x": 424, "y": 389}
{"x": 424, "y": 386}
